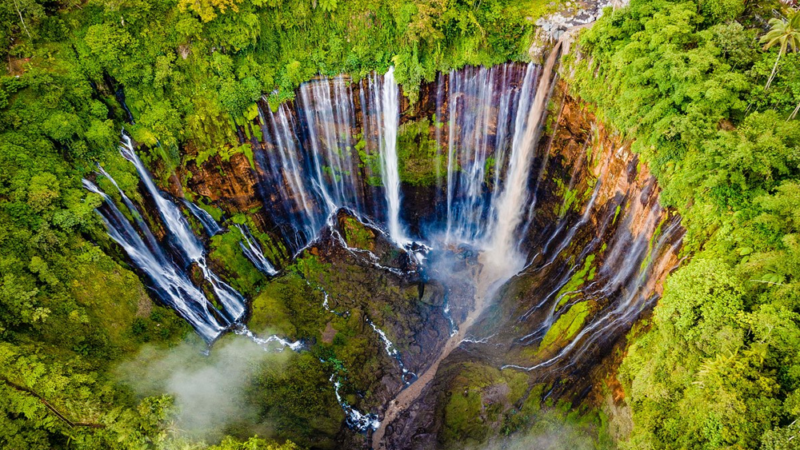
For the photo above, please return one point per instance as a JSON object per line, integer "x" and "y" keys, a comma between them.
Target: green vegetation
{"x": 190, "y": 71}
{"x": 357, "y": 234}
{"x": 569, "y": 291}
{"x": 566, "y": 326}
{"x": 476, "y": 399}
{"x": 227, "y": 253}
{"x": 371, "y": 161}
{"x": 482, "y": 401}
{"x": 417, "y": 152}
{"x": 299, "y": 400}
{"x": 292, "y": 305}
{"x": 690, "y": 83}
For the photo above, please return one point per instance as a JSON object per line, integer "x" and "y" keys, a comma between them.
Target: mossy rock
{"x": 356, "y": 234}
{"x": 226, "y": 252}
{"x": 570, "y": 290}
{"x": 476, "y": 401}
{"x": 566, "y": 327}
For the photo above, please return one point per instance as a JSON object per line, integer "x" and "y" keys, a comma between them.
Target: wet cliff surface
{"x": 600, "y": 246}
{"x": 378, "y": 311}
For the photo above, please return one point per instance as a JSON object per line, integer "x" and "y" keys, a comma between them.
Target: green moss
{"x": 215, "y": 212}
{"x": 269, "y": 310}
{"x": 272, "y": 248}
{"x": 297, "y": 399}
{"x": 566, "y": 327}
{"x": 616, "y": 214}
{"x": 653, "y": 239}
{"x": 476, "y": 400}
{"x": 569, "y": 198}
{"x": 520, "y": 415}
{"x": 226, "y": 252}
{"x": 568, "y": 291}
{"x": 248, "y": 153}
{"x": 357, "y": 235}
{"x": 116, "y": 301}
{"x": 418, "y": 154}
{"x": 462, "y": 417}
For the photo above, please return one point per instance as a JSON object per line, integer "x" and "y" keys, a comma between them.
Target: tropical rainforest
{"x": 410, "y": 224}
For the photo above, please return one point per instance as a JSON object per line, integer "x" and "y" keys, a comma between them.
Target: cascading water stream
{"x": 209, "y": 224}
{"x": 326, "y": 151}
{"x": 183, "y": 238}
{"x": 288, "y": 164}
{"x": 253, "y": 252}
{"x": 390, "y": 112}
{"x": 170, "y": 282}
{"x": 509, "y": 211}
{"x": 178, "y": 227}
{"x": 499, "y": 256}
{"x": 311, "y": 159}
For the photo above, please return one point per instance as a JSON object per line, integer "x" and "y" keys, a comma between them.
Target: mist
{"x": 210, "y": 390}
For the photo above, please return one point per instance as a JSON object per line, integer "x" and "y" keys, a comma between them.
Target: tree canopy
{"x": 718, "y": 366}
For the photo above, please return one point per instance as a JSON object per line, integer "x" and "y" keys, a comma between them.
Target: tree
{"x": 785, "y": 33}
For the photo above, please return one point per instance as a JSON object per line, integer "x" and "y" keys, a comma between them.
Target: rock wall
{"x": 600, "y": 248}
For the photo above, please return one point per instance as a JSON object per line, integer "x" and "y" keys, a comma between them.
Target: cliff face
{"x": 600, "y": 248}
{"x": 598, "y": 245}
{"x": 287, "y": 143}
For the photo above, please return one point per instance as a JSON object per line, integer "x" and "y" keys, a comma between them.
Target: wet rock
{"x": 433, "y": 293}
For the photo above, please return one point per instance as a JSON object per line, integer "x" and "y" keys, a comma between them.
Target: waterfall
{"x": 183, "y": 238}
{"x": 171, "y": 283}
{"x": 209, "y": 224}
{"x": 389, "y": 111}
{"x": 487, "y": 107}
{"x": 485, "y": 215}
{"x": 291, "y": 168}
{"x": 253, "y": 252}
{"x": 510, "y": 204}
{"x": 326, "y": 107}
{"x": 317, "y": 157}
{"x": 177, "y": 225}
{"x": 311, "y": 158}
{"x": 310, "y": 164}
{"x": 339, "y": 145}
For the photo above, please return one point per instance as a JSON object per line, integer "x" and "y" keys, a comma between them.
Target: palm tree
{"x": 786, "y": 33}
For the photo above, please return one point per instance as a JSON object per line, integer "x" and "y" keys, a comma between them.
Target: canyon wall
{"x": 600, "y": 247}
{"x": 596, "y": 244}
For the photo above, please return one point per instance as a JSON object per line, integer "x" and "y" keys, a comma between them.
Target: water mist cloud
{"x": 210, "y": 392}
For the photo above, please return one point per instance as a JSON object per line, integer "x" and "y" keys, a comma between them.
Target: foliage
{"x": 418, "y": 154}
{"x": 719, "y": 365}
{"x": 482, "y": 401}
{"x": 787, "y": 34}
